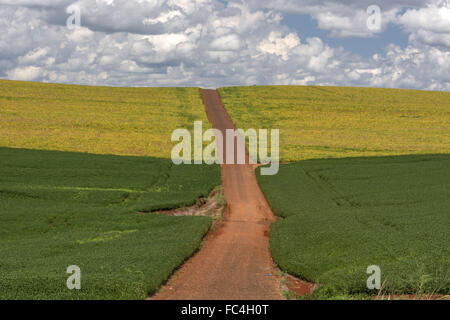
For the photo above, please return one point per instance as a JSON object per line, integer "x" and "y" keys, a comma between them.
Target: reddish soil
{"x": 234, "y": 261}
{"x": 210, "y": 207}
{"x": 299, "y": 287}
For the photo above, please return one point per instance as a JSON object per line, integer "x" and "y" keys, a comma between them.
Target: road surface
{"x": 234, "y": 262}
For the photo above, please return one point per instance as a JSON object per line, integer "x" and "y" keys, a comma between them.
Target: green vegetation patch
{"x": 343, "y": 215}
{"x": 59, "y": 209}
{"x": 338, "y": 122}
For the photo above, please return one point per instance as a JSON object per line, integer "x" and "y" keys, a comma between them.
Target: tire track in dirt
{"x": 234, "y": 262}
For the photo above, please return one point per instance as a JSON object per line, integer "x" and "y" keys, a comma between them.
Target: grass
{"x": 61, "y": 208}
{"x": 337, "y": 122}
{"x": 67, "y": 208}
{"x": 72, "y": 208}
{"x": 343, "y": 215}
{"x": 97, "y": 120}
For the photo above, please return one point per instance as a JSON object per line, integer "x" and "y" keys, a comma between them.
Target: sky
{"x": 215, "y": 43}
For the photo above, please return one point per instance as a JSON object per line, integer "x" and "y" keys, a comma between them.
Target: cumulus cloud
{"x": 433, "y": 18}
{"x": 430, "y": 25}
{"x": 276, "y": 44}
{"x": 25, "y": 73}
{"x": 211, "y": 43}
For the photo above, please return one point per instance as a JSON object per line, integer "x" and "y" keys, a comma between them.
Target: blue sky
{"x": 213, "y": 43}
{"x": 306, "y": 27}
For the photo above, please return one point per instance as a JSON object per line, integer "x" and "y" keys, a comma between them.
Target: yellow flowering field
{"x": 338, "y": 122}
{"x": 98, "y": 120}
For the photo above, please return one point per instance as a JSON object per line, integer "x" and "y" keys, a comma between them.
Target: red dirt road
{"x": 234, "y": 262}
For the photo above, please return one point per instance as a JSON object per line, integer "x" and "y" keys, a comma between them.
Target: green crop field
{"x": 82, "y": 168}
{"x": 59, "y": 209}
{"x": 339, "y": 216}
{"x": 339, "y": 122}
{"x": 87, "y": 201}
{"x": 343, "y": 215}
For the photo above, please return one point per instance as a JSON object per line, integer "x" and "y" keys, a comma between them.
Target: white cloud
{"x": 229, "y": 42}
{"x": 25, "y": 73}
{"x": 431, "y": 38}
{"x": 163, "y": 17}
{"x": 430, "y": 25}
{"x": 34, "y": 55}
{"x": 432, "y": 18}
{"x": 276, "y": 44}
{"x": 80, "y": 34}
{"x": 207, "y": 43}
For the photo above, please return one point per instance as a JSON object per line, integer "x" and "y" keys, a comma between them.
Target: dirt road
{"x": 234, "y": 261}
